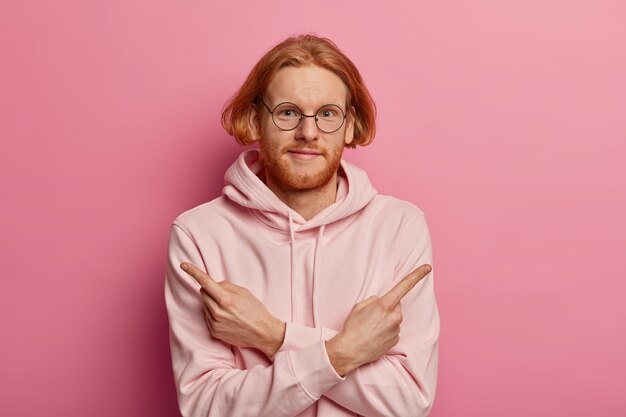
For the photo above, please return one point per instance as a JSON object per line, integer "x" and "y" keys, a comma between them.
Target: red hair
{"x": 298, "y": 51}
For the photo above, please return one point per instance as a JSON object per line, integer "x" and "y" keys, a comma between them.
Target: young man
{"x": 301, "y": 291}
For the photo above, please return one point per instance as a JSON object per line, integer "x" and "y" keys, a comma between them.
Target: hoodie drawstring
{"x": 315, "y": 262}
{"x": 317, "y": 246}
{"x": 293, "y": 240}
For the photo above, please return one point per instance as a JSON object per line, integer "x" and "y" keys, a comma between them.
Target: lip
{"x": 304, "y": 155}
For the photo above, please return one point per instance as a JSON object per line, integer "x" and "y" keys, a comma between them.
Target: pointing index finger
{"x": 394, "y": 295}
{"x": 207, "y": 283}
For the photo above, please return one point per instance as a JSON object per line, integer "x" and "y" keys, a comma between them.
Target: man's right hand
{"x": 373, "y": 326}
{"x": 234, "y": 315}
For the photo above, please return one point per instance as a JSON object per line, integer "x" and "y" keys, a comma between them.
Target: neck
{"x": 306, "y": 203}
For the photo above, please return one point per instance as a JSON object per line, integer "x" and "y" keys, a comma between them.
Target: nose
{"x": 307, "y": 129}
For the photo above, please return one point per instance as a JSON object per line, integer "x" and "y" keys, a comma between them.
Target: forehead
{"x": 306, "y": 86}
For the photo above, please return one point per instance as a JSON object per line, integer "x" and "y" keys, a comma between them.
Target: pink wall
{"x": 504, "y": 121}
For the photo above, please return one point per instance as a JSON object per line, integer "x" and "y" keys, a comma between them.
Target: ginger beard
{"x": 291, "y": 174}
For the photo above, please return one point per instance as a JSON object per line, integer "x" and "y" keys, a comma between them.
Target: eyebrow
{"x": 342, "y": 106}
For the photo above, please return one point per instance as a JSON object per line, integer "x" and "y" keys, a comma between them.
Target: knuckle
{"x": 218, "y": 316}
{"x": 226, "y": 301}
{"x": 387, "y": 306}
{"x": 378, "y": 306}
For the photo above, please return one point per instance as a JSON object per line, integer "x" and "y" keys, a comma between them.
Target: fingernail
{"x": 185, "y": 267}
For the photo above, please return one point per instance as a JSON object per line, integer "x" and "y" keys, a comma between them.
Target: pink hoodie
{"x": 308, "y": 274}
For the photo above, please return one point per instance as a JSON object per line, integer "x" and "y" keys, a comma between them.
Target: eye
{"x": 287, "y": 111}
{"x": 329, "y": 112}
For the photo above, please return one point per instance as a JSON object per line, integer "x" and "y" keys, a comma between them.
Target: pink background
{"x": 504, "y": 121}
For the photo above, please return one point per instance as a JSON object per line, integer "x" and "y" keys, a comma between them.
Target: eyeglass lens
{"x": 329, "y": 118}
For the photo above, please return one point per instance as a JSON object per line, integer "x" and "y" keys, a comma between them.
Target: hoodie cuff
{"x": 299, "y": 337}
{"x": 313, "y": 370}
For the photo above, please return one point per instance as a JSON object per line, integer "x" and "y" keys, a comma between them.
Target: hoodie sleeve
{"x": 298, "y": 336}
{"x": 402, "y": 382}
{"x": 208, "y": 381}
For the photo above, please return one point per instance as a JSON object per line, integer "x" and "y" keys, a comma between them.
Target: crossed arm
{"x": 368, "y": 373}
{"x": 238, "y": 318}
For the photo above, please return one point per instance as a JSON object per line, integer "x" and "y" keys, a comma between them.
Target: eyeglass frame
{"x": 305, "y": 115}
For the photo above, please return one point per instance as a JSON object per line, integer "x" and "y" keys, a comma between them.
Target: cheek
{"x": 275, "y": 135}
{"x": 275, "y": 141}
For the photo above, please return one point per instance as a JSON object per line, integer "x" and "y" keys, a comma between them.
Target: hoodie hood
{"x": 244, "y": 187}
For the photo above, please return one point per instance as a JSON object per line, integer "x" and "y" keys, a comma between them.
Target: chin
{"x": 291, "y": 174}
{"x": 300, "y": 181}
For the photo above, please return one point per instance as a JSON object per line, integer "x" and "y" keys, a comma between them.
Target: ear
{"x": 253, "y": 123}
{"x": 350, "y": 126}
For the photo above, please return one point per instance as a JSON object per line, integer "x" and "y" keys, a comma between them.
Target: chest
{"x": 310, "y": 275}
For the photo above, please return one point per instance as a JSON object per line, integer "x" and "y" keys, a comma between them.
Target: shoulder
{"x": 394, "y": 208}
{"x": 206, "y": 216}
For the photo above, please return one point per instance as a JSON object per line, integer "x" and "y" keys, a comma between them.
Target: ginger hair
{"x": 297, "y": 51}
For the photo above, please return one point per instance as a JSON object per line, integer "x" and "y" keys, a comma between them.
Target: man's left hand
{"x": 236, "y": 316}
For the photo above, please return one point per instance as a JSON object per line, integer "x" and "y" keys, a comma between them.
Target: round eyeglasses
{"x": 287, "y": 116}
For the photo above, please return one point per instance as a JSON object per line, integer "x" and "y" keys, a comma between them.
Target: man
{"x": 286, "y": 294}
